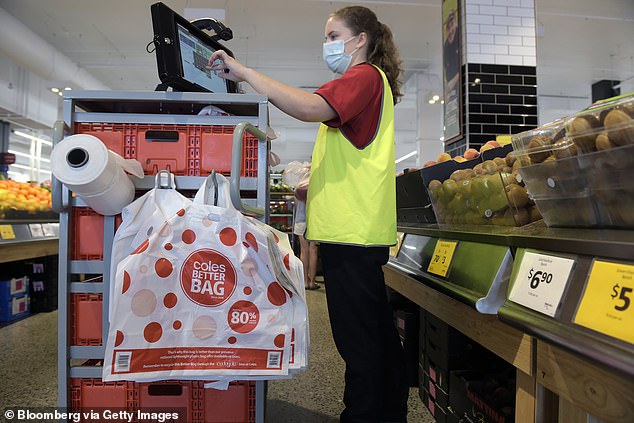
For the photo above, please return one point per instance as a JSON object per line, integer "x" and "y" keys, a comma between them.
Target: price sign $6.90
{"x": 621, "y": 293}
{"x": 537, "y": 277}
{"x": 540, "y": 281}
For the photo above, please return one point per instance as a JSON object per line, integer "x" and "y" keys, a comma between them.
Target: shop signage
{"x": 36, "y": 230}
{"x": 606, "y": 305}
{"x": 441, "y": 259}
{"x": 540, "y": 281}
{"x": 6, "y": 232}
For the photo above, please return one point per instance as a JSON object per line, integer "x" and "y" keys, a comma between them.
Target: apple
{"x": 459, "y": 159}
{"x": 471, "y": 153}
{"x": 443, "y": 157}
{"x": 430, "y": 163}
{"x": 493, "y": 143}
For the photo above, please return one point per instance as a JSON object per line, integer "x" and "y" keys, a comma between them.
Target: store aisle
{"x": 315, "y": 395}
{"x": 28, "y": 362}
{"x": 28, "y": 371}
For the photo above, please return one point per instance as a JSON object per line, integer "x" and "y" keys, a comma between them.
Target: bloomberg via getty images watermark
{"x": 88, "y": 415}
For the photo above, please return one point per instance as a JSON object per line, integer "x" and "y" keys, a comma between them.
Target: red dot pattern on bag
{"x": 232, "y": 340}
{"x": 168, "y": 246}
{"x": 243, "y": 316}
{"x": 177, "y": 324}
{"x": 188, "y": 236}
{"x": 287, "y": 261}
{"x": 247, "y": 290}
{"x": 208, "y": 278}
{"x": 141, "y": 248}
{"x": 170, "y": 300}
{"x": 228, "y": 237}
{"x": 126, "y": 282}
{"x": 119, "y": 339}
{"x": 153, "y": 332}
{"x": 181, "y": 212}
{"x": 250, "y": 238}
{"x": 276, "y": 294}
{"x": 163, "y": 267}
{"x": 279, "y": 341}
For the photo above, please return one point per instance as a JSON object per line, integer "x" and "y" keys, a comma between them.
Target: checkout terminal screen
{"x": 194, "y": 58}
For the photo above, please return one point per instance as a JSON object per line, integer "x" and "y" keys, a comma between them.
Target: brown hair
{"x": 382, "y": 51}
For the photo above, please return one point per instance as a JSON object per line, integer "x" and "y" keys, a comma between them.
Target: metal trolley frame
{"x": 248, "y": 113}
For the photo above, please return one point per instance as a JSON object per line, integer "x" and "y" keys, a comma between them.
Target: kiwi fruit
{"x": 517, "y": 195}
{"x": 510, "y": 159}
{"x": 538, "y": 142}
{"x": 534, "y": 214}
{"x": 565, "y": 151}
{"x": 602, "y": 142}
{"x": 620, "y": 127}
{"x": 579, "y": 130}
{"x": 489, "y": 166}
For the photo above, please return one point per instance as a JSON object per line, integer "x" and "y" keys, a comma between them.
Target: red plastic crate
{"x": 86, "y": 319}
{"x": 182, "y": 149}
{"x": 94, "y": 393}
{"x": 235, "y": 405}
{"x": 87, "y": 234}
{"x": 173, "y": 394}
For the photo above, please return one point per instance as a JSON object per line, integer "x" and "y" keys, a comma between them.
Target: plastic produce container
{"x": 583, "y": 162}
{"x": 487, "y": 194}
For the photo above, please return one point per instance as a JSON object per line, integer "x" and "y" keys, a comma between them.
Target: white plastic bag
{"x": 295, "y": 173}
{"x": 141, "y": 217}
{"x": 199, "y": 299}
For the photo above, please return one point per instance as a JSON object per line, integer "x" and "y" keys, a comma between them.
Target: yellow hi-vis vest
{"x": 352, "y": 192}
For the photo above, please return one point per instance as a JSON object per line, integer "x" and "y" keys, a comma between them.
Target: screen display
{"x": 194, "y": 59}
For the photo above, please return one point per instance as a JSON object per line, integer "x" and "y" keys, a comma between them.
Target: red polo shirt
{"x": 356, "y": 97}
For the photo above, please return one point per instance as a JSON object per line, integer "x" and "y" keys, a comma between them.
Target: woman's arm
{"x": 293, "y": 101}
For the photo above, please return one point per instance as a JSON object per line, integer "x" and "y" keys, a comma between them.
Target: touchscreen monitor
{"x": 182, "y": 54}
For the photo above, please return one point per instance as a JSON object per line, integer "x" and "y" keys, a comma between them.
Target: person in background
{"x": 351, "y": 203}
{"x": 308, "y": 250}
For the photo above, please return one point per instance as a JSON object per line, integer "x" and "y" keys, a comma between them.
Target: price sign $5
{"x": 621, "y": 293}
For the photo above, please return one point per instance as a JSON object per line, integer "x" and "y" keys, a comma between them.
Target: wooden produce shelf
{"x": 28, "y": 250}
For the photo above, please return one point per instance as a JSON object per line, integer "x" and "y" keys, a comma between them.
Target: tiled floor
{"x": 28, "y": 371}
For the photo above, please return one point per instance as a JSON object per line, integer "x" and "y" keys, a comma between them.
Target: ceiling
{"x": 579, "y": 42}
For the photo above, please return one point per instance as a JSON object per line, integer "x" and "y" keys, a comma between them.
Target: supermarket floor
{"x": 28, "y": 371}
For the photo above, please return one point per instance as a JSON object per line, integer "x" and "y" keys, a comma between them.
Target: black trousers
{"x": 376, "y": 387}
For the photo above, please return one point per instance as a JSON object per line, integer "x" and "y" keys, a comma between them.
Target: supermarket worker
{"x": 351, "y": 208}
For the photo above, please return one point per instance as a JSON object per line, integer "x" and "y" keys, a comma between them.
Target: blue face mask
{"x": 335, "y": 56}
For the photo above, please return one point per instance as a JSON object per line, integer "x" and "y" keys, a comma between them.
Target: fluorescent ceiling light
{"x": 407, "y": 156}
{"x": 32, "y": 138}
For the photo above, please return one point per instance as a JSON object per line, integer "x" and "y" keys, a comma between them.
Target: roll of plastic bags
{"x": 94, "y": 173}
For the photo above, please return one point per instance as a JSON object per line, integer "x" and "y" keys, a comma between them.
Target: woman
{"x": 351, "y": 207}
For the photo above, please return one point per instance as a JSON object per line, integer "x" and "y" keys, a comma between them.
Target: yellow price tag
{"x": 503, "y": 139}
{"x": 607, "y": 303}
{"x": 441, "y": 260}
{"x": 6, "y": 232}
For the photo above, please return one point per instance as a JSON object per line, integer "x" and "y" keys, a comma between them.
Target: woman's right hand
{"x": 226, "y": 66}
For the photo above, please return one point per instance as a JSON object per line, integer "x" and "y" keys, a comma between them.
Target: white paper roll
{"x": 94, "y": 173}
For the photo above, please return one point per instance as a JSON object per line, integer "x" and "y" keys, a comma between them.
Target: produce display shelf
{"x": 613, "y": 243}
{"x": 605, "y": 363}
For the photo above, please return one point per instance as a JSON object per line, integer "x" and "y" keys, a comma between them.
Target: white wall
{"x": 25, "y": 97}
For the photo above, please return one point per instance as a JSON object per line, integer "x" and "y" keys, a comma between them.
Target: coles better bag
{"x": 208, "y": 294}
